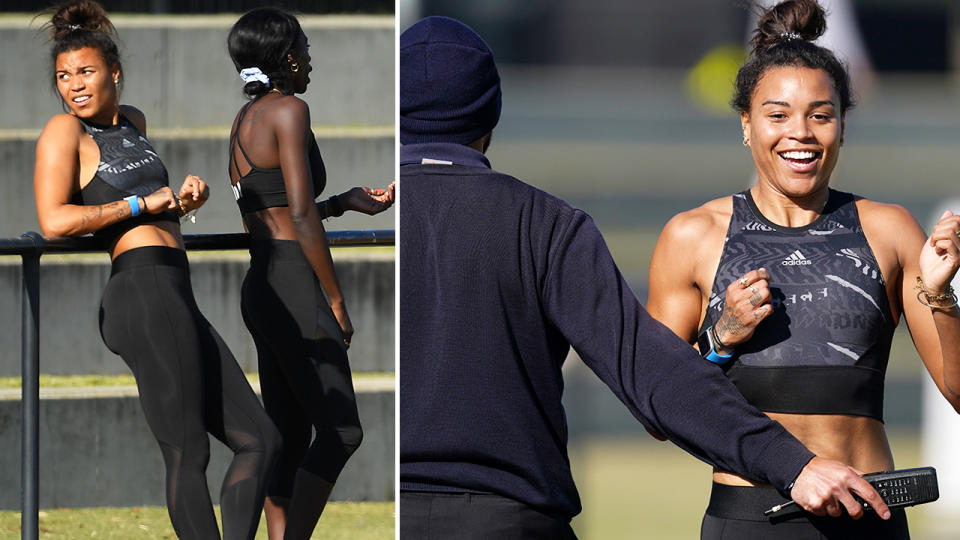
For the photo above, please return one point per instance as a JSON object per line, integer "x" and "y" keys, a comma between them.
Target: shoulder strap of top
{"x": 842, "y": 209}
{"x": 235, "y": 142}
{"x": 87, "y": 128}
{"x": 742, "y": 214}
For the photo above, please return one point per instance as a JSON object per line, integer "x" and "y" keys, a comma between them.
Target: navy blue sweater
{"x": 497, "y": 281}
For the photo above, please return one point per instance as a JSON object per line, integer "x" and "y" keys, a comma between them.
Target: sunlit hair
{"x": 263, "y": 38}
{"x": 78, "y": 24}
{"x": 784, "y": 37}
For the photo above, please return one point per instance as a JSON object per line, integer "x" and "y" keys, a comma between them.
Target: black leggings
{"x": 190, "y": 385}
{"x": 736, "y": 512}
{"x": 304, "y": 374}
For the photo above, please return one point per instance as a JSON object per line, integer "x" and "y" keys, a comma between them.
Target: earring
{"x": 746, "y": 142}
{"x": 294, "y": 67}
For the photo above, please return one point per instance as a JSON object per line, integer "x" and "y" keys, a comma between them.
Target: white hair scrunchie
{"x": 254, "y": 74}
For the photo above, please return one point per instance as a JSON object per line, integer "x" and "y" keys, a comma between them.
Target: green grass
{"x": 340, "y": 521}
{"x": 640, "y": 488}
{"x": 78, "y": 381}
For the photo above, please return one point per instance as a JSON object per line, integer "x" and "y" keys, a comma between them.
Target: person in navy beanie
{"x": 497, "y": 281}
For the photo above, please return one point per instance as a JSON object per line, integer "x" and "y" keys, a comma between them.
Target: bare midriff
{"x": 163, "y": 233}
{"x": 858, "y": 441}
{"x": 270, "y": 223}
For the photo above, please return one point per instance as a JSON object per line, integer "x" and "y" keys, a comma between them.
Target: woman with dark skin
{"x": 797, "y": 288}
{"x": 276, "y": 172}
{"x": 96, "y": 172}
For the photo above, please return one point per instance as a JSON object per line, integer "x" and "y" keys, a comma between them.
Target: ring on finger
{"x": 744, "y": 282}
{"x": 753, "y": 289}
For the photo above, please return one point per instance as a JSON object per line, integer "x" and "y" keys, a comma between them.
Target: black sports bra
{"x": 128, "y": 166}
{"x": 264, "y": 188}
{"x": 825, "y": 347}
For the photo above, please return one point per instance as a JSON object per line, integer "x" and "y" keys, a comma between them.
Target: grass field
{"x": 639, "y": 488}
{"x": 340, "y": 521}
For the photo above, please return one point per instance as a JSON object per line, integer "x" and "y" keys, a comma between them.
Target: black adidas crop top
{"x": 128, "y": 166}
{"x": 825, "y": 347}
{"x": 265, "y": 188}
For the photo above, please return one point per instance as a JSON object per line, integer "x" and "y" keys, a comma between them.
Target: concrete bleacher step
{"x": 97, "y": 450}
{"x": 70, "y": 288}
{"x": 177, "y": 70}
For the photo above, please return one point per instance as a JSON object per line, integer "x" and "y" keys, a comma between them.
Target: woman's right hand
{"x": 343, "y": 319}
{"x": 159, "y": 201}
{"x": 940, "y": 256}
{"x": 367, "y": 200}
{"x": 747, "y": 303}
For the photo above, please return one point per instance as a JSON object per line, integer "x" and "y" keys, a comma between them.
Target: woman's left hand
{"x": 343, "y": 319}
{"x": 193, "y": 193}
{"x": 940, "y": 256}
{"x": 367, "y": 200}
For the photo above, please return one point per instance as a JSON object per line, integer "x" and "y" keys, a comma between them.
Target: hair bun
{"x": 789, "y": 20}
{"x": 76, "y": 15}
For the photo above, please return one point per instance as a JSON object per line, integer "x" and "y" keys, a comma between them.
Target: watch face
{"x": 703, "y": 343}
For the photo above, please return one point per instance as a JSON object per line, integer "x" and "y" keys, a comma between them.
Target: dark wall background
{"x": 216, "y": 6}
{"x": 901, "y": 35}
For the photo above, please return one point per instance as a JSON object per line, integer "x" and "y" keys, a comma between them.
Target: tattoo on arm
{"x": 729, "y": 324}
{"x": 93, "y": 213}
{"x": 119, "y": 210}
{"x": 89, "y": 214}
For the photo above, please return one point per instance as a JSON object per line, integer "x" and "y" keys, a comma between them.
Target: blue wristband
{"x": 718, "y": 358}
{"x": 134, "y": 202}
{"x": 705, "y": 342}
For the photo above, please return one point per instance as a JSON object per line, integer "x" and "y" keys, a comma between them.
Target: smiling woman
{"x": 794, "y": 130}
{"x": 756, "y": 281}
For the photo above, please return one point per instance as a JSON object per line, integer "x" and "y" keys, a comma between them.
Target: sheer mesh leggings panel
{"x": 190, "y": 385}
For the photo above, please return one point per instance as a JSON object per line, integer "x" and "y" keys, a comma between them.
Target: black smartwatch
{"x": 708, "y": 350}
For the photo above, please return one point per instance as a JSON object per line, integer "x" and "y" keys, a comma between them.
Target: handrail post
{"x": 30, "y": 246}
{"x": 30, "y": 398}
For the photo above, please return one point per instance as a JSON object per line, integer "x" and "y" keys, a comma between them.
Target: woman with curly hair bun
{"x": 794, "y": 289}
{"x": 96, "y": 172}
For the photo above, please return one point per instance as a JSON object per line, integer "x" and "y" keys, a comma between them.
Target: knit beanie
{"x": 449, "y": 85}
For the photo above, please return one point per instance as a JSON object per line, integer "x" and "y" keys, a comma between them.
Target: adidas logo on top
{"x": 796, "y": 259}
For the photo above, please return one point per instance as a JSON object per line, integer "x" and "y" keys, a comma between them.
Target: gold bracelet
{"x": 942, "y": 297}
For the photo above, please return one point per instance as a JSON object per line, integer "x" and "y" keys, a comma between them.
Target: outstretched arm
{"x": 365, "y": 200}
{"x": 662, "y": 380}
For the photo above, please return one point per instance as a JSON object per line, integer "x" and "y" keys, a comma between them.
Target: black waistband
{"x": 747, "y": 503}
{"x": 855, "y": 390}
{"x": 149, "y": 256}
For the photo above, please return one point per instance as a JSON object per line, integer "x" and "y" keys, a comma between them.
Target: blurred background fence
{"x": 620, "y": 108}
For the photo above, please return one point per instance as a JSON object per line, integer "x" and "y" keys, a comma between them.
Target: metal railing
{"x": 31, "y": 246}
